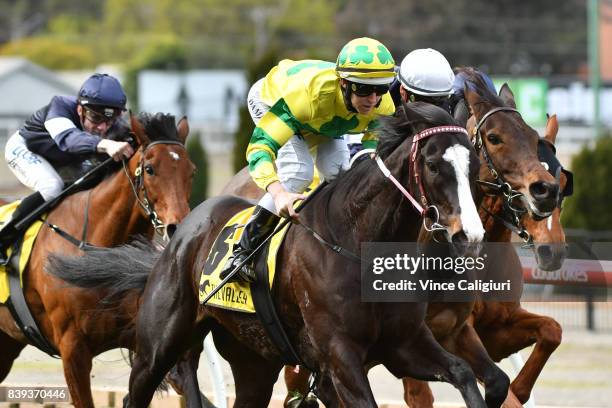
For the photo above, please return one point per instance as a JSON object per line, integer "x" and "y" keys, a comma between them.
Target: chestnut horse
{"x": 317, "y": 292}
{"x": 155, "y": 184}
{"x": 509, "y": 154}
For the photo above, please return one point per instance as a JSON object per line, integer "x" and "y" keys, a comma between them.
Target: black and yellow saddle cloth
{"x": 235, "y": 295}
{"x": 26, "y": 248}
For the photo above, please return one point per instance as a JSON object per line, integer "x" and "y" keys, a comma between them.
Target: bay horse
{"x": 505, "y": 327}
{"x": 509, "y": 154}
{"x": 317, "y": 292}
{"x": 150, "y": 190}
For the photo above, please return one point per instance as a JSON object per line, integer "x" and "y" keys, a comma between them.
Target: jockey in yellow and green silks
{"x": 304, "y": 106}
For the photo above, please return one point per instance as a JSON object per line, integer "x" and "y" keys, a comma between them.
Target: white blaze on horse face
{"x": 549, "y": 223}
{"x": 459, "y": 157}
{"x": 174, "y": 155}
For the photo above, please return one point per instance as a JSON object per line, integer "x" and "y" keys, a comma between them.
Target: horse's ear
{"x": 182, "y": 129}
{"x": 552, "y": 127}
{"x": 475, "y": 101}
{"x": 507, "y": 96}
{"x": 138, "y": 131}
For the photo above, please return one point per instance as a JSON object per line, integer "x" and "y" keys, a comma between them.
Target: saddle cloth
{"x": 234, "y": 295}
{"x": 26, "y": 248}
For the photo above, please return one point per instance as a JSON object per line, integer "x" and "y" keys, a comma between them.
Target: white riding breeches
{"x": 32, "y": 169}
{"x": 294, "y": 161}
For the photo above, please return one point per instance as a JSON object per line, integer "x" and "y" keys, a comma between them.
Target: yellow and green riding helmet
{"x": 366, "y": 61}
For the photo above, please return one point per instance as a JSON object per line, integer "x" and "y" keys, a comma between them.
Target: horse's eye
{"x": 149, "y": 169}
{"x": 431, "y": 166}
{"x": 493, "y": 139}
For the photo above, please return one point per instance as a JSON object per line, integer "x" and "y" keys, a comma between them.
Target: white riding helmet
{"x": 426, "y": 72}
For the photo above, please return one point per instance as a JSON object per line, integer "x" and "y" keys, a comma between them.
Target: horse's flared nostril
{"x": 550, "y": 256}
{"x": 170, "y": 230}
{"x": 544, "y": 196}
{"x": 542, "y": 190}
{"x": 545, "y": 252}
{"x": 461, "y": 246}
{"x": 459, "y": 238}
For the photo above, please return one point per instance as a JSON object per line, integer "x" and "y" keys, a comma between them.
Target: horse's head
{"x": 547, "y": 235}
{"x": 162, "y": 169}
{"x": 509, "y": 148}
{"x": 442, "y": 167}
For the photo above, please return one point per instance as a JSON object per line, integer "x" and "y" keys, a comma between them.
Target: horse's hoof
{"x": 298, "y": 401}
{"x": 126, "y": 401}
{"x": 511, "y": 401}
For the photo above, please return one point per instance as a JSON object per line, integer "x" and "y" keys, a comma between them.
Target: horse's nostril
{"x": 545, "y": 251}
{"x": 170, "y": 229}
{"x": 459, "y": 238}
{"x": 542, "y": 190}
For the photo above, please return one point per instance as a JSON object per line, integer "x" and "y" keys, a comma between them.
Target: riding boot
{"x": 8, "y": 232}
{"x": 260, "y": 225}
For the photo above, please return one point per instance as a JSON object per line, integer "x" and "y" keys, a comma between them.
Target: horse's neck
{"x": 375, "y": 209}
{"x": 114, "y": 212}
{"x": 495, "y": 229}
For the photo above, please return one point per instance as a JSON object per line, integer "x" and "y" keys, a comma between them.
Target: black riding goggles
{"x": 101, "y": 115}
{"x": 367, "y": 89}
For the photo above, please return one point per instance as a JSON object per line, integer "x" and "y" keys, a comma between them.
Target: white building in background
{"x": 24, "y": 88}
{"x": 211, "y": 99}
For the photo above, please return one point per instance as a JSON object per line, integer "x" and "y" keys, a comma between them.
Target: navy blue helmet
{"x": 102, "y": 91}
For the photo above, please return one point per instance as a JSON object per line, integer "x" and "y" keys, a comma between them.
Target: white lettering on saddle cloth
{"x": 234, "y": 295}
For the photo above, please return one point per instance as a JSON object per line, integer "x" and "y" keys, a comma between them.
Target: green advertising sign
{"x": 530, "y": 96}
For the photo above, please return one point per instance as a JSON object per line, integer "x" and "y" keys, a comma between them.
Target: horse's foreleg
{"x": 417, "y": 393}
{"x": 76, "y": 359}
{"x": 166, "y": 328}
{"x": 10, "y": 351}
{"x": 521, "y": 330}
{"x": 344, "y": 364}
{"x": 254, "y": 376}
{"x": 467, "y": 345}
{"x": 184, "y": 378}
{"x": 423, "y": 358}
{"x": 296, "y": 381}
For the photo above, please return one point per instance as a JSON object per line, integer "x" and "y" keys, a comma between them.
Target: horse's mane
{"x": 159, "y": 126}
{"x": 475, "y": 82}
{"x": 408, "y": 120}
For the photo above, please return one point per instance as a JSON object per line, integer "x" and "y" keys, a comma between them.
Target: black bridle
{"x": 503, "y": 188}
{"x": 499, "y": 185}
{"x": 138, "y": 186}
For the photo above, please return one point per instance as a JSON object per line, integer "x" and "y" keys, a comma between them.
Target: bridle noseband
{"x": 138, "y": 185}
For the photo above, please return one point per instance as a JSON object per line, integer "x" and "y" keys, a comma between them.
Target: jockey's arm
{"x": 275, "y": 128}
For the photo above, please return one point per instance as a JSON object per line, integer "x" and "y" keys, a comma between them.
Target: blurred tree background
{"x": 589, "y": 207}
{"x": 539, "y": 37}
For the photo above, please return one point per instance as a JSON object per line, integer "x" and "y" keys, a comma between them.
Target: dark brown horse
{"x": 157, "y": 177}
{"x": 317, "y": 292}
{"x": 509, "y": 154}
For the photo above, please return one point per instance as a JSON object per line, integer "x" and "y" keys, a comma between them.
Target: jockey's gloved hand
{"x": 283, "y": 200}
{"x": 115, "y": 149}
